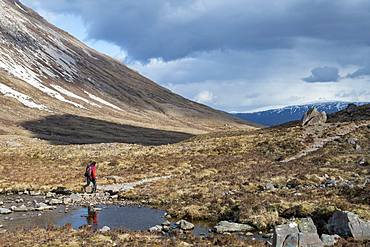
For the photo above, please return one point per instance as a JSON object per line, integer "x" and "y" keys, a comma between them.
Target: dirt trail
{"x": 320, "y": 142}
{"x": 128, "y": 186}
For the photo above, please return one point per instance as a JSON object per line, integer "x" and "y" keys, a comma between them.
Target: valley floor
{"x": 260, "y": 177}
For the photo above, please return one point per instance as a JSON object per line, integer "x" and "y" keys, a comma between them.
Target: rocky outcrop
{"x": 314, "y": 117}
{"x": 347, "y": 224}
{"x": 225, "y": 226}
{"x": 302, "y": 233}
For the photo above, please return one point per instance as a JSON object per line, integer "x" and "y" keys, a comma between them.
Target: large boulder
{"x": 302, "y": 233}
{"x": 225, "y": 226}
{"x": 314, "y": 117}
{"x": 347, "y": 224}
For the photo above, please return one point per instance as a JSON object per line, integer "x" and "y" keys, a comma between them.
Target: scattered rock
{"x": 76, "y": 198}
{"x": 347, "y": 224}
{"x": 114, "y": 197}
{"x": 50, "y": 195}
{"x": 329, "y": 240}
{"x": 105, "y": 229}
{"x": 184, "y": 225}
{"x": 42, "y": 206}
{"x": 269, "y": 186}
{"x": 67, "y": 200}
{"x": 225, "y": 226}
{"x": 1, "y": 203}
{"x": 5, "y": 211}
{"x": 21, "y": 208}
{"x": 35, "y": 193}
{"x": 55, "y": 201}
{"x": 314, "y": 117}
{"x": 352, "y": 141}
{"x": 166, "y": 223}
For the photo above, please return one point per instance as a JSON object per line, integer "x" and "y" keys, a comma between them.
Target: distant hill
{"x": 291, "y": 113}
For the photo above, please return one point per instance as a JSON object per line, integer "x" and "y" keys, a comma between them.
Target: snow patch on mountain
{"x": 24, "y": 99}
{"x": 96, "y": 98}
{"x": 73, "y": 95}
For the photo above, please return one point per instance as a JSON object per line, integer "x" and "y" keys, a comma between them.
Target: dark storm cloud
{"x": 175, "y": 29}
{"x": 323, "y": 74}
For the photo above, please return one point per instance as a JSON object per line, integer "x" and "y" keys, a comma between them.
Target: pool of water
{"x": 130, "y": 218}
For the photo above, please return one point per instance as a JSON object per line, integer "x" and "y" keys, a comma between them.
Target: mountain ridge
{"x": 44, "y": 70}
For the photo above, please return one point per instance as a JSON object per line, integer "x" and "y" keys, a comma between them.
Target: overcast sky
{"x": 234, "y": 55}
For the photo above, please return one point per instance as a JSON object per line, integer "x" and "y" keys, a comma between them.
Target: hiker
{"x": 90, "y": 176}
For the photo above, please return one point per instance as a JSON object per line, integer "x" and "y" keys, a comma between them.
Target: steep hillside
{"x": 291, "y": 113}
{"x": 45, "y": 73}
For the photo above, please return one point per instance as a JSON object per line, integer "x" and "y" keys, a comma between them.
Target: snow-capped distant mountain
{"x": 291, "y": 113}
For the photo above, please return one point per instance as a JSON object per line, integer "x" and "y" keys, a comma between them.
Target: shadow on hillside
{"x": 72, "y": 129}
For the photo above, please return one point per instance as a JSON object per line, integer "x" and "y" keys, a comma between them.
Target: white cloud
{"x": 204, "y": 97}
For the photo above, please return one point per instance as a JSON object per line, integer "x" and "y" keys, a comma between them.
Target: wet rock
{"x": 184, "y": 225}
{"x": 329, "y": 240}
{"x": 156, "y": 228}
{"x": 347, "y": 224}
{"x": 5, "y": 211}
{"x": 105, "y": 229}
{"x": 225, "y": 226}
{"x": 314, "y": 117}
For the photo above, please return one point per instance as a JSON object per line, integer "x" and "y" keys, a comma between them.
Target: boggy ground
{"x": 261, "y": 177}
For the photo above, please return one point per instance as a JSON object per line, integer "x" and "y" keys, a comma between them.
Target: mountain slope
{"x": 45, "y": 71}
{"x": 291, "y": 113}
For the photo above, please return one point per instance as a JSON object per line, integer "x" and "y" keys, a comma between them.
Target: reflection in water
{"x": 92, "y": 217}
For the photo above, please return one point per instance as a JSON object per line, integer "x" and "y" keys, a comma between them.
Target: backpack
{"x": 88, "y": 171}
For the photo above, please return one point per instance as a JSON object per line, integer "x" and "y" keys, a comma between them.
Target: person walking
{"x": 90, "y": 176}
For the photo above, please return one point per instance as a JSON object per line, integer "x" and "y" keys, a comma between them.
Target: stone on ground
{"x": 105, "y": 229}
{"x": 225, "y": 226}
{"x": 5, "y": 211}
{"x": 156, "y": 228}
{"x": 303, "y": 233}
{"x": 55, "y": 201}
{"x": 184, "y": 225}
{"x": 329, "y": 240}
